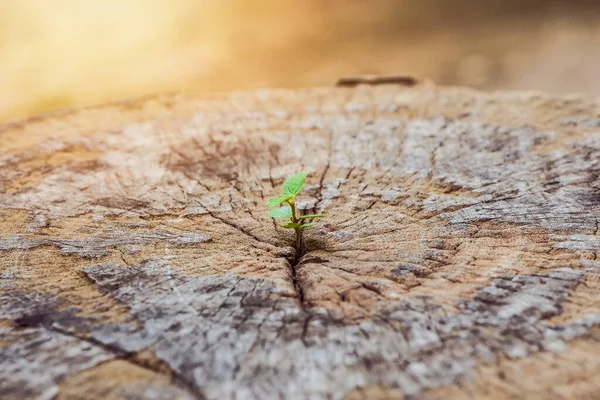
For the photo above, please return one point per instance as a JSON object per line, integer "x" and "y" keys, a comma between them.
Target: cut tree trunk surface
{"x": 459, "y": 259}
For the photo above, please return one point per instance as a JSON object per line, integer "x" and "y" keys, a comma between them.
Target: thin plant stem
{"x": 293, "y": 206}
{"x": 295, "y": 220}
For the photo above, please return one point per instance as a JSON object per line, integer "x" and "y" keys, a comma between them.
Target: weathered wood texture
{"x": 460, "y": 259}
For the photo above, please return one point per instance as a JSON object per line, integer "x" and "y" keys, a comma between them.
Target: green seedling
{"x": 291, "y": 188}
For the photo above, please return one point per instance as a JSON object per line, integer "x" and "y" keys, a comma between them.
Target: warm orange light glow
{"x": 61, "y": 53}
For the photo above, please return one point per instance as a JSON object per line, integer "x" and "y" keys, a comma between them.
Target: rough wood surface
{"x": 460, "y": 259}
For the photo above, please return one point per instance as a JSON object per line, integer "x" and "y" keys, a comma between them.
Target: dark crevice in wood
{"x": 294, "y": 272}
{"x": 236, "y": 227}
{"x": 305, "y": 326}
{"x": 130, "y": 357}
{"x": 294, "y": 262}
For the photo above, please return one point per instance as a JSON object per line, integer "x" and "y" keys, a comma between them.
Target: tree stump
{"x": 459, "y": 259}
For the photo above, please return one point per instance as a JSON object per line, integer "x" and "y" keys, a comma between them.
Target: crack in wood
{"x": 44, "y": 319}
{"x": 130, "y": 357}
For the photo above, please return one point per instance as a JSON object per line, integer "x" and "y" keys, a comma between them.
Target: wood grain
{"x": 460, "y": 258}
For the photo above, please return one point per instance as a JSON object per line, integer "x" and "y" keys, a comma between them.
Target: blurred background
{"x": 63, "y": 53}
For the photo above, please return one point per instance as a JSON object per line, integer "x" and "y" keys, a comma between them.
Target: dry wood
{"x": 460, "y": 258}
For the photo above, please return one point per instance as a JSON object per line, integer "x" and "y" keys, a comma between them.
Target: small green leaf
{"x": 275, "y": 201}
{"x": 294, "y": 184}
{"x": 291, "y": 225}
{"x": 281, "y": 212}
{"x": 312, "y": 216}
{"x": 309, "y": 224}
